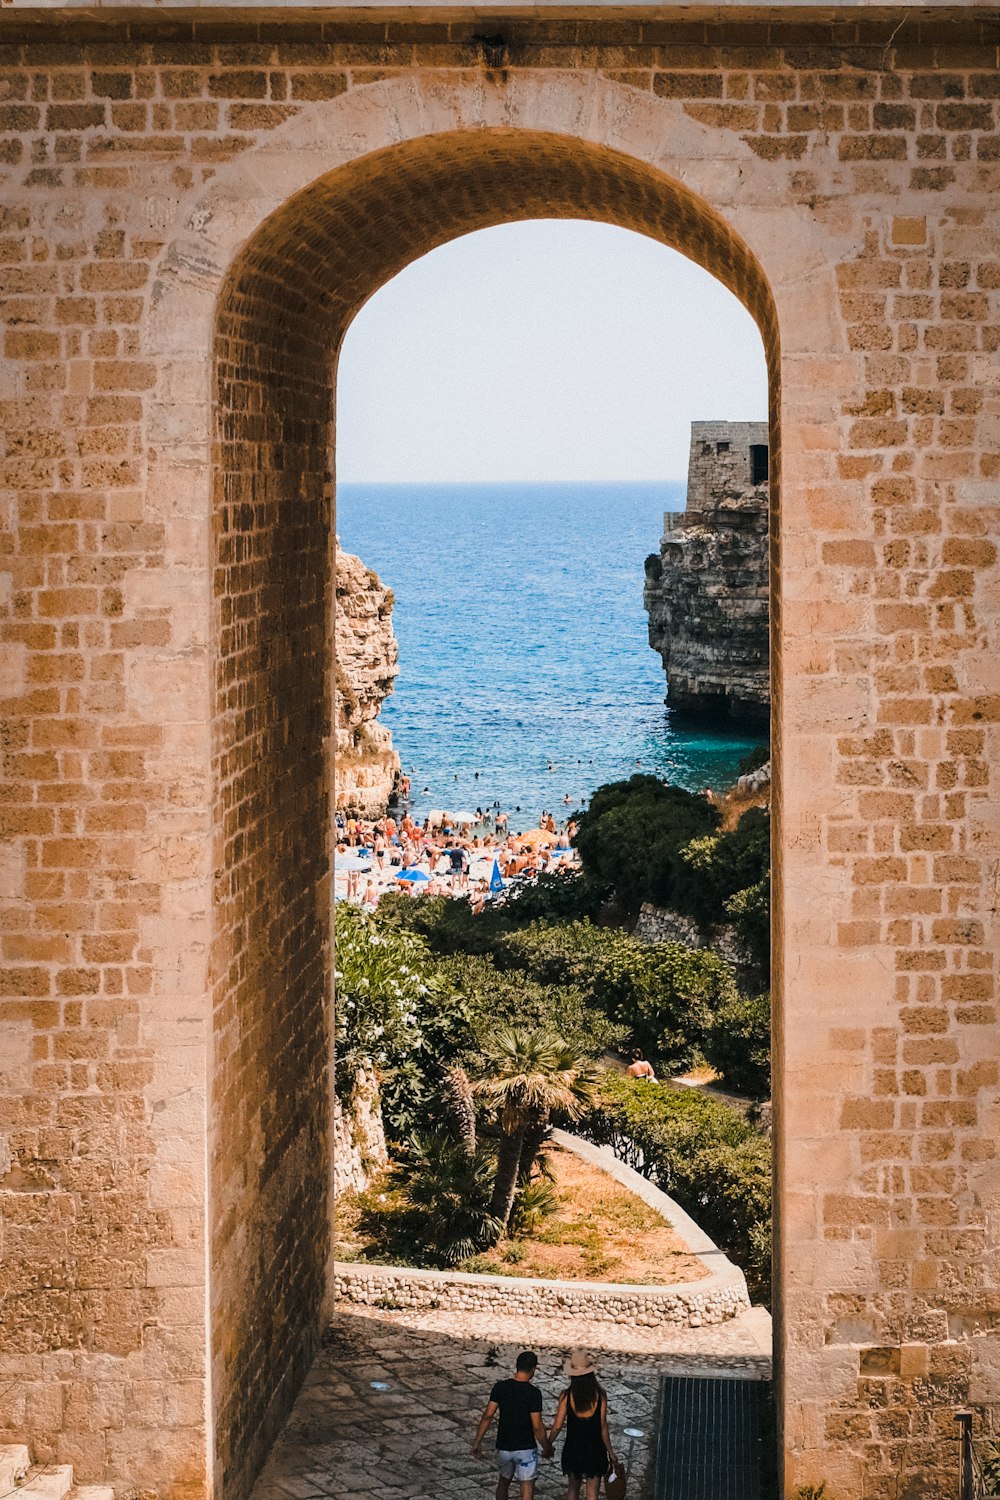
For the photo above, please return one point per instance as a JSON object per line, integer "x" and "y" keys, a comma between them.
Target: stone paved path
{"x": 412, "y": 1442}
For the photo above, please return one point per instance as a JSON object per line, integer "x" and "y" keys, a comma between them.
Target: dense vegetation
{"x": 599, "y": 985}
{"x": 485, "y": 1029}
{"x": 738, "y": 1044}
{"x": 632, "y": 834}
{"x": 646, "y": 841}
{"x": 703, "y": 1153}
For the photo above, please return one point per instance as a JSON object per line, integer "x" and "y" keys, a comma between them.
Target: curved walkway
{"x": 719, "y": 1293}
{"x": 412, "y": 1441}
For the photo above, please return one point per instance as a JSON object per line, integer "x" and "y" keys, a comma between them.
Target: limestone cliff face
{"x": 366, "y": 666}
{"x": 359, "y": 1148}
{"x": 706, "y": 591}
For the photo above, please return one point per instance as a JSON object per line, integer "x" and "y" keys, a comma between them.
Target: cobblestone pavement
{"x": 412, "y": 1442}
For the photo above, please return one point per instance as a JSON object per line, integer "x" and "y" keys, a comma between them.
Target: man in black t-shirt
{"x": 520, "y": 1431}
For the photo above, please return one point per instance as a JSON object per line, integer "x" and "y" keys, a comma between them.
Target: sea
{"x": 525, "y": 674}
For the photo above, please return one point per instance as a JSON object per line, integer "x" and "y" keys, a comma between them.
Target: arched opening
{"x": 282, "y": 315}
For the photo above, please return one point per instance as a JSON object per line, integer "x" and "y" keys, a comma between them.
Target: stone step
{"x": 53, "y": 1482}
{"x": 15, "y": 1461}
{"x": 21, "y": 1480}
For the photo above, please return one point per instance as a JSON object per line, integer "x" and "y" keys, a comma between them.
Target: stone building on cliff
{"x": 706, "y": 590}
{"x": 366, "y": 658}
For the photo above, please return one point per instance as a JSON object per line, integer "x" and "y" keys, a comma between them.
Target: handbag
{"x": 614, "y": 1484}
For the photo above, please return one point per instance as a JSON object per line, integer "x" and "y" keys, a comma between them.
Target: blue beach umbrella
{"x": 496, "y": 880}
{"x": 412, "y": 875}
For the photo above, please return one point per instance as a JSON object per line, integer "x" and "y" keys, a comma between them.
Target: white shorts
{"x": 517, "y": 1463}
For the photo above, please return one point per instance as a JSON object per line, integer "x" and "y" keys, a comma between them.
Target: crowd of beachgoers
{"x": 461, "y": 854}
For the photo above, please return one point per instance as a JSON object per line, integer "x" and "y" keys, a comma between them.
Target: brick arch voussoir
{"x": 218, "y": 222}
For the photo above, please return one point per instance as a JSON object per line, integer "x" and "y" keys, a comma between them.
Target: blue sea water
{"x": 522, "y": 642}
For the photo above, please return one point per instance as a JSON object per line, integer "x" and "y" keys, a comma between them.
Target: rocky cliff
{"x": 706, "y": 590}
{"x": 359, "y": 1148}
{"x": 366, "y": 666}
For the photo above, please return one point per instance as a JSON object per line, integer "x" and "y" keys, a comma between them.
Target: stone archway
{"x": 282, "y": 315}
{"x": 148, "y": 857}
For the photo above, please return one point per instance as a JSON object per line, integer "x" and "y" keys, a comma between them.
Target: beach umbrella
{"x": 537, "y": 836}
{"x": 496, "y": 879}
{"x": 412, "y": 875}
{"x": 463, "y": 819}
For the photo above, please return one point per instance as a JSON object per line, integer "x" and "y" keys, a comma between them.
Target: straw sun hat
{"x": 580, "y": 1362}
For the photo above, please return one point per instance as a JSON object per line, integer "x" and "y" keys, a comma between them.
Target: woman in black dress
{"x": 583, "y": 1409}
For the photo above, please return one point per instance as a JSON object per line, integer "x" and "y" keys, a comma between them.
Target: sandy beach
{"x": 455, "y": 854}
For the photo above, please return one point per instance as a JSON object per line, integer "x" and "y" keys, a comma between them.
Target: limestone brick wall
{"x": 271, "y": 955}
{"x": 189, "y": 219}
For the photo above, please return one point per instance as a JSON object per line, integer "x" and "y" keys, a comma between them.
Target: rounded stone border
{"x": 715, "y": 1298}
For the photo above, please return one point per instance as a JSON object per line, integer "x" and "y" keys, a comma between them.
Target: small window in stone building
{"x": 722, "y": 447}
{"x": 758, "y": 463}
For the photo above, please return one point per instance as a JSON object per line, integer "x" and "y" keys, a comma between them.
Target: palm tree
{"x": 570, "y": 1063}
{"x": 450, "y": 1191}
{"x": 527, "y": 1076}
{"x": 460, "y": 1107}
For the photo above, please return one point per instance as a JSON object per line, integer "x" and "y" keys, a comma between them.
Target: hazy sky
{"x": 543, "y": 350}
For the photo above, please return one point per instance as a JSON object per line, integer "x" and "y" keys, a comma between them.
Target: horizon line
{"x": 523, "y": 480}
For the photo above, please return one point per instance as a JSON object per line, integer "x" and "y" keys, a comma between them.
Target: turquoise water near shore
{"x": 522, "y": 642}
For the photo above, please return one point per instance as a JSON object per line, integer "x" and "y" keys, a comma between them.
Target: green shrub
{"x": 630, "y": 835}
{"x": 667, "y": 1124}
{"x": 434, "y": 1210}
{"x": 727, "y": 1190}
{"x": 702, "y": 1152}
{"x": 585, "y": 980}
{"x": 666, "y": 994}
{"x": 749, "y": 911}
{"x": 991, "y": 1469}
{"x": 394, "y": 1008}
{"x": 720, "y": 864}
{"x": 450, "y": 1193}
{"x": 557, "y": 896}
{"x": 738, "y": 1044}
{"x": 534, "y": 1202}
{"x": 449, "y": 926}
{"x": 495, "y": 996}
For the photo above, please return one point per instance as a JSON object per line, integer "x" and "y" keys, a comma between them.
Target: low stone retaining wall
{"x": 691, "y": 1305}
{"x": 657, "y": 924}
{"x": 720, "y": 1295}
